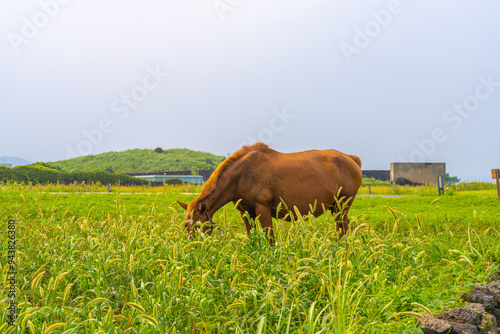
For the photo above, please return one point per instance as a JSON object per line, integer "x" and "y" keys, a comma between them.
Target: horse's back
{"x": 325, "y": 164}
{"x": 301, "y": 178}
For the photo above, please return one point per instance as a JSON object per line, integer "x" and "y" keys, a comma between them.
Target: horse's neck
{"x": 221, "y": 195}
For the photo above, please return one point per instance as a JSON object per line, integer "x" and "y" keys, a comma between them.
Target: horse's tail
{"x": 356, "y": 159}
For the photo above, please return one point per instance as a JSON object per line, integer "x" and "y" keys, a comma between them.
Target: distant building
{"x": 194, "y": 179}
{"x": 205, "y": 173}
{"x": 6, "y": 165}
{"x": 417, "y": 172}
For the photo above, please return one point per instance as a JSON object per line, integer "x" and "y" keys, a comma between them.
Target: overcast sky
{"x": 385, "y": 80}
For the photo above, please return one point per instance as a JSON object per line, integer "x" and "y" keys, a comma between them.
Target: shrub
{"x": 44, "y": 174}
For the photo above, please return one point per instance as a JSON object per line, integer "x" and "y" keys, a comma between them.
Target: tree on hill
{"x": 451, "y": 179}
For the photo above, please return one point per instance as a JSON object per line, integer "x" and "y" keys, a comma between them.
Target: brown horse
{"x": 262, "y": 178}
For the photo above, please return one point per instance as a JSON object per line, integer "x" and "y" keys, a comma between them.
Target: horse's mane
{"x": 209, "y": 187}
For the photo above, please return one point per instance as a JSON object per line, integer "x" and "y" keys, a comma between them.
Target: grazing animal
{"x": 262, "y": 178}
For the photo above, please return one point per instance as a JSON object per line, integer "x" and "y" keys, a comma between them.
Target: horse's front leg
{"x": 248, "y": 226}
{"x": 266, "y": 221}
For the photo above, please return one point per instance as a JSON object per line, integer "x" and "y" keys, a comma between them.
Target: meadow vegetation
{"x": 96, "y": 262}
{"x": 46, "y": 174}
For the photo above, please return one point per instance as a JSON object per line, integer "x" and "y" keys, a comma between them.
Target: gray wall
{"x": 416, "y": 172}
{"x": 382, "y": 175}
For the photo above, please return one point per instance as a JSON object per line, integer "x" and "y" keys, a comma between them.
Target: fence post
{"x": 440, "y": 184}
{"x": 109, "y": 187}
{"x": 497, "y": 172}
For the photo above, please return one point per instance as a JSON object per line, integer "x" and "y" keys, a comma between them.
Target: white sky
{"x": 377, "y": 79}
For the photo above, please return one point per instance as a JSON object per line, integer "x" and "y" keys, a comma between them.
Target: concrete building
{"x": 194, "y": 179}
{"x": 6, "y": 165}
{"x": 417, "y": 172}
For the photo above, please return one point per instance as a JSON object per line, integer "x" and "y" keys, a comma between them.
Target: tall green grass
{"x": 122, "y": 263}
{"x": 98, "y": 187}
{"x": 476, "y": 185}
{"x": 483, "y": 188}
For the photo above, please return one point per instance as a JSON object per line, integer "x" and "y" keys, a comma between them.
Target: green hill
{"x": 142, "y": 161}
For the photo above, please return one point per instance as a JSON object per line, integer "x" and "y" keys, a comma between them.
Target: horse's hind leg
{"x": 343, "y": 224}
{"x": 340, "y": 210}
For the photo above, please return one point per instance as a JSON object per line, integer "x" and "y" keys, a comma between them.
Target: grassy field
{"x": 91, "y": 261}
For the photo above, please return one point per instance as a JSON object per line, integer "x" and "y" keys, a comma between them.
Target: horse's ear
{"x": 203, "y": 207}
{"x": 183, "y": 205}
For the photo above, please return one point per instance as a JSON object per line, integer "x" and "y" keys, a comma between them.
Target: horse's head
{"x": 196, "y": 217}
